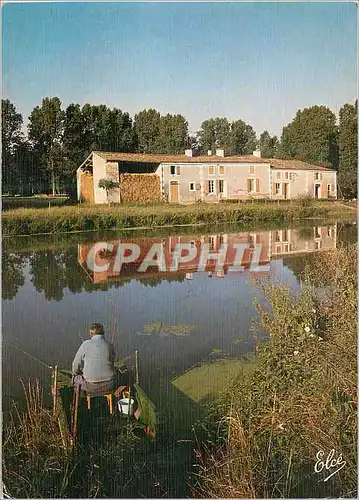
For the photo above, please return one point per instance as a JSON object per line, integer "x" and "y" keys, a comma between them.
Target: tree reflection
{"x": 12, "y": 274}
{"x": 53, "y": 272}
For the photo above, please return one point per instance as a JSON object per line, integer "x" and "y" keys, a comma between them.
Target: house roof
{"x": 294, "y": 165}
{"x": 161, "y": 158}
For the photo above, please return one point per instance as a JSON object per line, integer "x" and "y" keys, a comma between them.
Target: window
{"x": 173, "y": 170}
{"x": 318, "y": 176}
{"x": 221, "y": 186}
{"x": 317, "y": 232}
{"x": 278, "y": 175}
{"x": 252, "y": 170}
{"x": 286, "y": 248}
{"x": 329, "y": 190}
{"x": 192, "y": 186}
{"x": 193, "y": 244}
{"x": 277, "y": 236}
{"x": 286, "y": 175}
{"x": 284, "y": 235}
{"x": 250, "y": 185}
{"x": 278, "y": 249}
{"x": 212, "y": 242}
{"x": 318, "y": 245}
{"x": 277, "y": 188}
{"x": 211, "y": 170}
{"x": 211, "y": 187}
{"x": 222, "y": 170}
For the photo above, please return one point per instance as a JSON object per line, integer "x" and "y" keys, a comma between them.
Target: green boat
{"x": 75, "y": 409}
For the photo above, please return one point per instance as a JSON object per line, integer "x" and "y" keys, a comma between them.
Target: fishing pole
{"x": 34, "y": 358}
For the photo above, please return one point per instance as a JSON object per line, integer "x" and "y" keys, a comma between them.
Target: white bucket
{"x": 125, "y": 406}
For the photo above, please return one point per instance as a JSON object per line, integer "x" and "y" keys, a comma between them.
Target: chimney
{"x": 219, "y": 152}
{"x": 209, "y": 152}
{"x": 257, "y": 153}
{"x": 188, "y": 152}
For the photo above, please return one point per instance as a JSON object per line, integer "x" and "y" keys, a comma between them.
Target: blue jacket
{"x": 95, "y": 360}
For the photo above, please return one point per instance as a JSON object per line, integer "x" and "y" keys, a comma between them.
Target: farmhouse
{"x": 187, "y": 178}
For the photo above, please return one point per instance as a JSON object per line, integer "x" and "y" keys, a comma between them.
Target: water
{"x": 174, "y": 319}
{"x": 50, "y": 298}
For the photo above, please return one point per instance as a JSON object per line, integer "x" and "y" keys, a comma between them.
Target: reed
{"x": 301, "y": 398}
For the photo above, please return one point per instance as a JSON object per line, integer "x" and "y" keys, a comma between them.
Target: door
{"x": 317, "y": 191}
{"x": 285, "y": 190}
{"x": 174, "y": 192}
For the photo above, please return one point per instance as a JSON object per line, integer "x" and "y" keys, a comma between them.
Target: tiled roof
{"x": 152, "y": 158}
{"x": 159, "y": 158}
{"x": 295, "y": 165}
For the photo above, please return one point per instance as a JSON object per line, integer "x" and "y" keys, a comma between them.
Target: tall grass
{"x": 301, "y": 399}
{"x": 37, "y": 465}
{"x": 115, "y": 217}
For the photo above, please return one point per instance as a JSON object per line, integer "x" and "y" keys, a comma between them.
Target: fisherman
{"x": 93, "y": 367}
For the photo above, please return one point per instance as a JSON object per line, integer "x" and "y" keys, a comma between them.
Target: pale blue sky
{"x": 260, "y": 62}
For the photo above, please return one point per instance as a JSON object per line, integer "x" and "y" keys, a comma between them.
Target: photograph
{"x": 179, "y": 187}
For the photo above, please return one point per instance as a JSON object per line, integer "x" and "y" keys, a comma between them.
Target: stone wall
{"x": 139, "y": 188}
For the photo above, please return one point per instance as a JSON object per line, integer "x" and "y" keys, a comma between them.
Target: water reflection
{"x": 102, "y": 263}
{"x": 175, "y": 319}
{"x": 53, "y": 271}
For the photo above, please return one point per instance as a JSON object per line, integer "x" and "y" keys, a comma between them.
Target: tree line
{"x": 45, "y": 159}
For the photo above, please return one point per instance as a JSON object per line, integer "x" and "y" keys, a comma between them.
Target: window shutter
{"x": 208, "y": 186}
{"x": 198, "y": 186}
{"x": 178, "y": 170}
{"x": 273, "y": 188}
{"x": 249, "y": 185}
{"x": 217, "y": 186}
{"x": 257, "y": 185}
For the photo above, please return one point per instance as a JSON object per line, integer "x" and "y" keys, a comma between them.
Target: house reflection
{"x": 257, "y": 250}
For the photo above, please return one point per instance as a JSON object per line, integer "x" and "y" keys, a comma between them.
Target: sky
{"x": 259, "y": 62}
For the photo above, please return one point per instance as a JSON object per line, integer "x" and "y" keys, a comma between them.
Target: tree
{"x": 146, "y": 128}
{"x": 214, "y": 133}
{"x": 46, "y": 124}
{"x": 348, "y": 150}
{"x": 312, "y": 137}
{"x": 236, "y": 138}
{"x": 109, "y": 185}
{"x": 172, "y": 135}
{"x": 268, "y": 145}
{"x": 12, "y": 138}
{"x": 243, "y": 140}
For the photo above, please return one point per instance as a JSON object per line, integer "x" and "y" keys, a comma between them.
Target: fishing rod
{"x": 50, "y": 367}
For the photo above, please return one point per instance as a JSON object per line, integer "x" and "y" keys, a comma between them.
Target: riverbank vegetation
{"x": 116, "y": 217}
{"x": 36, "y": 464}
{"x": 300, "y": 400}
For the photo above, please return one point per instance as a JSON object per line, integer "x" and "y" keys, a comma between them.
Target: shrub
{"x": 302, "y": 397}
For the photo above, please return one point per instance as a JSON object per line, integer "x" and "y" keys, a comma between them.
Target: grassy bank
{"x": 300, "y": 400}
{"x": 36, "y": 464}
{"x": 55, "y": 220}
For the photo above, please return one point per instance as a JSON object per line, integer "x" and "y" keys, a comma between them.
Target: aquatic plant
{"x": 162, "y": 330}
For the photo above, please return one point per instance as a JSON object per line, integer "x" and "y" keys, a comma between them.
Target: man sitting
{"x": 93, "y": 367}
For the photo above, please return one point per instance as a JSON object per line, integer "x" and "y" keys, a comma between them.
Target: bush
{"x": 305, "y": 200}
{"x": 301, "y": 399}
